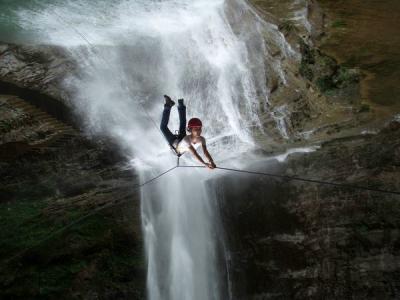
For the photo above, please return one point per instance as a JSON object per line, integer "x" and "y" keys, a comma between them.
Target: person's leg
{"x": 164, "y": 125}
{"x": 182, "y": 120}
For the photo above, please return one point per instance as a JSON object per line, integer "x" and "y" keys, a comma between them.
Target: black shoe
{"x": 168, "y": 101}
{"x": 180, "y": 101}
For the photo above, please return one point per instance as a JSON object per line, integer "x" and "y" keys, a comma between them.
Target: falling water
{"x": 212, "y": 53}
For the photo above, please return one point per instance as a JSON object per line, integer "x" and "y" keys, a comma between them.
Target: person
{"x": 182, "y": 142}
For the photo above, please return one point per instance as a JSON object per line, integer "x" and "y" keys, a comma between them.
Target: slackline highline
{"x": 303, "y": 179}
{"x": 114, "y": 203}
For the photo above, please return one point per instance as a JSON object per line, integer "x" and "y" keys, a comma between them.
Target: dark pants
{"x": 182, "y": 124}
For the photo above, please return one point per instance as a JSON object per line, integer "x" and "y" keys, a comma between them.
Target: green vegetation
{"x": 324, "y": 71}
{"x": 339, "y": 24}
{"x": 327, "y": 62}
{"x": 287, "y": 26}
{"x": 307, "y": 59}
{"x": 325, "y": 83}
{"x": 306, "y": 71}
{"x": 346, "y": 76}
{"x": 343, "y": 77}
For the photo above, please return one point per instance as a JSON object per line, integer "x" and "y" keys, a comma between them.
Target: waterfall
{"x": 129, "y": 53}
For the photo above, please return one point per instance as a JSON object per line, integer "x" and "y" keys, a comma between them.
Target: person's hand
{"x": 210, "y": 165}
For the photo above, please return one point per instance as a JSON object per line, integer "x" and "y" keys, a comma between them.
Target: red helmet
{"x": 194, "y": 122}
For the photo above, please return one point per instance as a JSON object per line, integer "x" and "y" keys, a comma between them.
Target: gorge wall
{"x": 293, "y": 240}
{"x": 287, "y": 240}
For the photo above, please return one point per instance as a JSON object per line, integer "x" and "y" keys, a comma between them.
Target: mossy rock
{"x": 347, "y": 76}
{"x": 324, "y": 71}
{"x": 344, "y": 77}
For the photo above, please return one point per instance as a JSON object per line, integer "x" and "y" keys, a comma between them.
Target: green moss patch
{"x": 287, "y": 26}
{"x": 324, "y": 71}
{"x": 339, "y": 24}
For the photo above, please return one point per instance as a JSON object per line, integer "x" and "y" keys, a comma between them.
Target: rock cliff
{"x": 288, "y": 240}
{"x": 294, "y": 240}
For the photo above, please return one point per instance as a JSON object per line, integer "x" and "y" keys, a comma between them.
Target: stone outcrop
{"x": 37, "y": 67}
{"x": 324, "y": 96}
{"x": 298, "y": 240}
{"x": 51, "y": 176}
{"x": 294, "y": 240}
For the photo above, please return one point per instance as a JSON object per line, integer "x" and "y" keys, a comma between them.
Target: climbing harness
{"x": 178, "y": 155}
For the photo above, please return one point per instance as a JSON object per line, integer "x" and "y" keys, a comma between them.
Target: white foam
{"x": 284, "y": 156}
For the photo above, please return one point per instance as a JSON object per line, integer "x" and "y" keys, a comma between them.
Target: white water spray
{"x": 212, "y": 54}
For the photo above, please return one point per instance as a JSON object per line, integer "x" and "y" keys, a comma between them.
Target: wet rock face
{"x": 264, "y": 238}
{"x": 51, "y": 175}
{"x": 295, "y": 107}
{"x": 99, "y": 257}
{"x": 364, "y": 34}
{"x": 37, "y": 67}
{"x": 294, "y": 240}
{"x": 288, "y": 240}
{"x": 312, "y": 103}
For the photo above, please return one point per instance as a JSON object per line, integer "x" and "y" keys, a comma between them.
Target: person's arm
{"x": 208, "y": 155}
{"x": 198, "y": 157}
